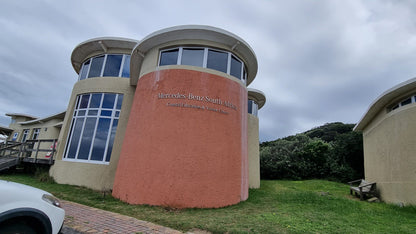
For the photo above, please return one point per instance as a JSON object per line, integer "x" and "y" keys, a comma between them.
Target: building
{"x": 389, "y": 128}
{"x": 167, "y": 120}
{"x": 24, "y": 128}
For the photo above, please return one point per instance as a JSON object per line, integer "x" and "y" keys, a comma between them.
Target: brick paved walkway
{"x": 91, "y": 220}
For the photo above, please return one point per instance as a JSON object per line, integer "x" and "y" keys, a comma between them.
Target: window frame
{"x": 15, "y": 136}
{"x": 253, "y": 104}
{"x": 402, "y": 102}
{"x": 115, "y": 116}
{"x": 36, "y": 133}
{"x": 25, "y": 134}
{"x": 230, "y": 55}
{"x": 89, "y": 61}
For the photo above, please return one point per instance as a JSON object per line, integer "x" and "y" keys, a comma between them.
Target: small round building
{"x": 166, "y": 121}
{"x": 389, "y": 130}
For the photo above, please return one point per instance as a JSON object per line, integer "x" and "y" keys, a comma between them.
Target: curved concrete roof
{"x": 194, "y": 32}
{"x": 59, "y": 115}
{"x": 383, "y": 100}
{"x": 21, "y": 115}
{"x": 258, "y": 96}
{"x": 99, "y": 45}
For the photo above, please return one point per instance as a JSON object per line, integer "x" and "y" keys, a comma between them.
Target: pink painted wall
{"x": 179, "y": 151}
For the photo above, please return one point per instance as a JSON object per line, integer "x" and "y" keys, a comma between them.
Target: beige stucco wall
{"x": 253, "y": 151}
{"x": 48, "y": 130}
{"x": 389, "y": 154}
{"x": 91, "y": 175}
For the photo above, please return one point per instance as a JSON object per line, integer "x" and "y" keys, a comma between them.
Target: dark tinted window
{"x": 95, "y": 100}
{"x": 407, "y": 101}
{"x": 193, "y": 57}
{"x": 126, "y": 66}
{"x": 96, "y": 65}
{"x": 100, "y": 139}
{"x": 235, "y": 67}
{"x": 84, "y": 70}
{"x": 108, "y": 101}
{"x": 75, "y": 138}
{"x": 169, "y": 57}
{"x": 84, "y": 101}
{"x": 217, "y": 60}
{"x": 113, "y": 65}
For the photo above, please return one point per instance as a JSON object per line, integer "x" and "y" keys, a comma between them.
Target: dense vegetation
{"x": 332, "y": 151}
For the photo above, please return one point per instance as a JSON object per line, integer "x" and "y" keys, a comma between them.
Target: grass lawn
{"x": 312, "y": 206}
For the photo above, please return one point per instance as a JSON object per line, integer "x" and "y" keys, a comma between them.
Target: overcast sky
{"x": 319, "y": 61}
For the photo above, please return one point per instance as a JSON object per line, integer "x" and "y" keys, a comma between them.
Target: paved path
{"x": 86, "y": 219}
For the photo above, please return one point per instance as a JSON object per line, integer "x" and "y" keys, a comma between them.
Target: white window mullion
{"x": 205, "y": 61}
{"x": 83, "y": 124}
{"x": 89, "y": 67}
{"x": 242, "y": 73}
{"x": 110, "y": 128}
{"x": 72, "y": 126}
{"x": 103, "y": 65}
{"x": 80, "y": 136}
{"x": 229, "y": 63}
{"x": 120, "y": 72}
{"x": 93, "y": 137}
{"x": 178, "y": 62}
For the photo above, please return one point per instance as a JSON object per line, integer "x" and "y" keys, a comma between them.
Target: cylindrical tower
{"x": 186, "y": 139}
{"x": 256, "y": 100}
{"x": 96, "y": 118}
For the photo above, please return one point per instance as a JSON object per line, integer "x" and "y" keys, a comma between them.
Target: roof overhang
{"x": 97, "y": 46}
{"x": 193, "y": 32}
{"x": 5, "y": 130}
{"x": 383, "y": 100}
{"x": 21, "y": 115}
{"x": 258, "y": 96}
{"x": 59, "y": 115}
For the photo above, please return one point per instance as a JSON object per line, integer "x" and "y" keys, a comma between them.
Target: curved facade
{"x": 389, "y": 130}
{"x": 164, "y": 121}
{"x": 256, "y": 100}
{"x": 93, "y": 129}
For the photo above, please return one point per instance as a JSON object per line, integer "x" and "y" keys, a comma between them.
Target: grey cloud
{"x": 319, "y": 61}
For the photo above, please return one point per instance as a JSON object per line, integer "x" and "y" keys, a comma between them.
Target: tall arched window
{"x": 93, "y": 127}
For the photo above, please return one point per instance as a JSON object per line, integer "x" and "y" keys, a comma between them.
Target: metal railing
{"x": 29, "y": 150}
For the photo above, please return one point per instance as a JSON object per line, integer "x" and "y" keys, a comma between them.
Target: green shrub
{"x": 332, "y": 151}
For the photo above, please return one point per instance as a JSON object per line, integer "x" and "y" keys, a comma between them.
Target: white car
{"x": 24, "y": 209}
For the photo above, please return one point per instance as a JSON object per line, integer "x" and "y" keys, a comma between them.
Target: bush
{"x": 332, "y": 151}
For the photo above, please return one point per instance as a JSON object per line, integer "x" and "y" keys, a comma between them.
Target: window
{"x": 406, "y": 101}
{"x": 15, "y": 135}
{"x": 169, "y": 57}
{"x": 36, "y": 132}
{"x": 193, "y": 57}
{"x": 114, "y": 65}
{"x": 236, "y": 67}
{"x": 96, "y": 66}
{"x": 93, "y": 127}
{"x": 204, "y": 57}
{"x": 217, "y": 60}
{"x": 252, "y": 107}
{"x": 84, "y": 70}
{"x": 25, "y": 134}
{"x": 125, "y": 72}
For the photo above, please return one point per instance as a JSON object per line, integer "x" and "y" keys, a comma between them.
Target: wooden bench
{"x": 364, "y": 188}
